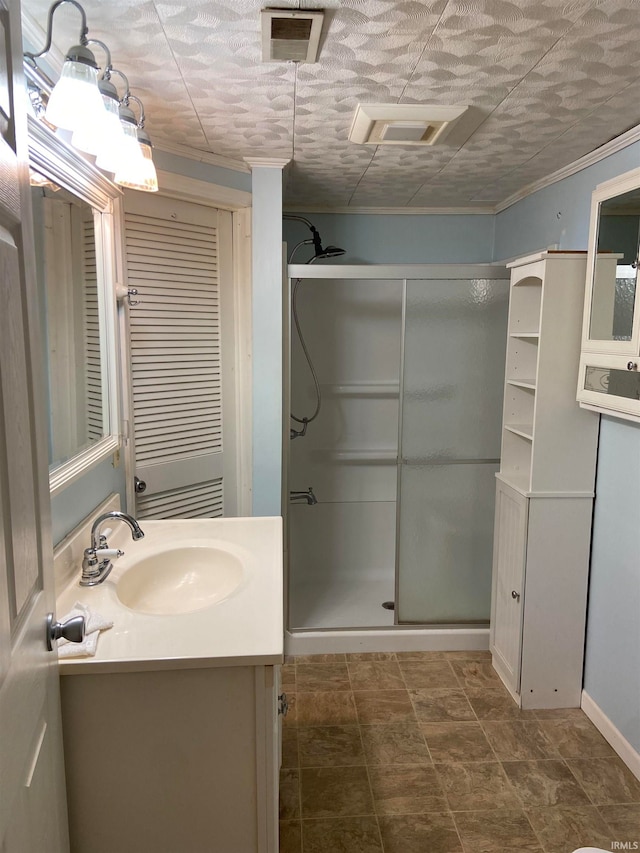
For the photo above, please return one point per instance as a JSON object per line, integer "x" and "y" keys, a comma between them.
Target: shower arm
{"x": 315, "y": 237}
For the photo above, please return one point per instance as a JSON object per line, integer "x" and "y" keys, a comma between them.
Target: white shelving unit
{"x": 544, "y": 488}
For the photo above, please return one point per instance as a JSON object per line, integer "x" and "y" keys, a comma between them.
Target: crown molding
{"x": 267, "y": 162}
{"x": 595, "y": 156}
{"x": 395, "y": 211}
{"x": 202, "y": 192}
{"x": 201, "y": 156}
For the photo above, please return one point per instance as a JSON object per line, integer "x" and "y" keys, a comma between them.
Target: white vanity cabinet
{"x": 173, "y": 760}
{"x": 609, "y": 372}
{"x": 544, "y": 488}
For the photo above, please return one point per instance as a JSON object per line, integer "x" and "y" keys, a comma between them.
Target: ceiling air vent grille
{"x": 402, "y": 124}
{"x": 290, "y": 35}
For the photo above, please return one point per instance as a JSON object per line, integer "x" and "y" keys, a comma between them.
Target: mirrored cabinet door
{"x": 612, "y": 310}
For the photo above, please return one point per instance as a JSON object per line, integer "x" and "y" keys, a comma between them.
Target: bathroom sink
{"x": 179, "y": 579}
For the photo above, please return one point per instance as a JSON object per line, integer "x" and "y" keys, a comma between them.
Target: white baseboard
{"x": 627, "y": 753}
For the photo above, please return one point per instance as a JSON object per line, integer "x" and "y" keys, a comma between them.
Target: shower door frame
{"x": 402, "y": 273}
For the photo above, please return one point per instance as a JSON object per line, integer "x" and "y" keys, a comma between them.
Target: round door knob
{"x": 73, "y": 630}
{"x": 515, "y": 595}
{"x": 632, "y": 365}
{"x": 139, "y": 486}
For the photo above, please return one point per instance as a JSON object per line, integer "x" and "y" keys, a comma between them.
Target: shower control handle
{"x": 515, "y": 595}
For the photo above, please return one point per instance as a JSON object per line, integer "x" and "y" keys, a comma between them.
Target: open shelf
{"x": 525, "y": 430}
{"x": 528, "y": 385}
{"x": 525, "y": 335}
{"x": 522, "y": 361}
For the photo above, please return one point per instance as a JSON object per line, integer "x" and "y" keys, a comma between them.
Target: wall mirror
{"x": 614, "y": 250}
{"x": 73, "y": 217}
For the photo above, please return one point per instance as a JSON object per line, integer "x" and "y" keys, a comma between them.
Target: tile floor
{"x": 427, "y": 753}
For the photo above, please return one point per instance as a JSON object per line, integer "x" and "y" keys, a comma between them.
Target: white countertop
{"x": 245, "y": 629}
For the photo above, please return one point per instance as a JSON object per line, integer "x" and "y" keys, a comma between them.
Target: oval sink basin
{"x": 180, "y": 580}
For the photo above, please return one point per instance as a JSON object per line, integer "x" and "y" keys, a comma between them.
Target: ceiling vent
{"x": 402, "y": 124}
{"x": 290, "y": 35}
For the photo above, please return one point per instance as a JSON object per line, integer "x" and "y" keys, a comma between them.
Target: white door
{"x": 509, "y": 556}
{"x": 178, "y": 257}
{"x": 32, "y": 794}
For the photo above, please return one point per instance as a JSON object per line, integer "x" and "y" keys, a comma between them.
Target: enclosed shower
{"x": 391, "y": 488}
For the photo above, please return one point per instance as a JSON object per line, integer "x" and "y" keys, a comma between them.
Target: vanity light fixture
{"x": 101, "y": 123}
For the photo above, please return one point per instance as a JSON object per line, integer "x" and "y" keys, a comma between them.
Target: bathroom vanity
{"x": 172, "y": 731}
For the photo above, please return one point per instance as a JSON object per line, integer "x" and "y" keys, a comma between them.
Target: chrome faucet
{"x": 97, "y": 564}
{"x": 308, "y": 496}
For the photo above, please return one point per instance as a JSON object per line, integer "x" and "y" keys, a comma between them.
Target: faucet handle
{"x": 109, "y": 553}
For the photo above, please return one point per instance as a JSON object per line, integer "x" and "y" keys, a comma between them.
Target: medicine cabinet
{"x": 74, "y": 218}
{"x": 609, "y": 375}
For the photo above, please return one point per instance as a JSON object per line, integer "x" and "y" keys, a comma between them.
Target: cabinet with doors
{"x": 544, "y": 488}
{"x": 609, "y": 374}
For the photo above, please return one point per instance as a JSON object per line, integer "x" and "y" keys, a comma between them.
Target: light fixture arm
{"x": 127, "y": 92}
{"x": 139, "y": 103}
{"x": 84, "y": 31}
{"x": 107, "y": 69}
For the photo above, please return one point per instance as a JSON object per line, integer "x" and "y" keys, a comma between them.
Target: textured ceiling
{"x": 548, "y": 81}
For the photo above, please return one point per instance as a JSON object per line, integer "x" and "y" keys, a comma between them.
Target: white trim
{"x": 393, "y": 211}
{"x": 180, "y": 187}
{"x": 395, "y": 638}
{"x": 70, "y": 471}
{"x": 242, "y": 283}
{"x": 267, "y": 162}
{"x": 608, "y": 730}
{"x": 199, "y": 156}
{"x": 601, "y": 153}
{"x": 398, "y": 271}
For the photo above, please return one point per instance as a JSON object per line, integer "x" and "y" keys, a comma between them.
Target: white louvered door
{"x": 175, "y": 254}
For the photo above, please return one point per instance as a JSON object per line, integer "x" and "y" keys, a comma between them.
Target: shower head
{"x": 330, "y": 252}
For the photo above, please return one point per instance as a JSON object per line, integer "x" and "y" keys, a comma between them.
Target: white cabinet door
{"x": 509, "y": 555}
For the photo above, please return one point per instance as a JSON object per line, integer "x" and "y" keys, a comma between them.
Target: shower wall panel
{"x": 353, "y": 331}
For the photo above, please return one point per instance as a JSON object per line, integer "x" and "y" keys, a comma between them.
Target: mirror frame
{"x": 604, "y": 192}
{"x": 51, "y": 156}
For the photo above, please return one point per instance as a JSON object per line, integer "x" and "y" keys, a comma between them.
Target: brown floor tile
{"x": 330, "y": 746}
{"x": 559, "y": 714}
{"x": 476, "y": 673}
{"x": 289, "y": 794}
{"x": 325, "y": 709}
{"x": 375, "y": 675}
{"x": 290, "y": 836}
{"x": 340, "y": 658}
{"x": 623, "y": 821}
{"x": 519, "y": 741}
{"x": 342, "y": 835}
{"x": 607, "y": 781}
{"x": 494, "y": 703}
{"x": 395, "y": 743}
{"x": 383, "y": 706}
{"x": 472, "y": 654}
{"x": 461, "y": 742}
{"x": 545, "y": 783}
{"x": 434, "y": 673}
{"x": 290, "y": 747}
{"x": 576, "y": 738}
{"x": 563, "y": 830}
{"x": 503, "y": 830}
{"x": 420, "y": 656}
{"x": 364, "y": 656}
{"x": 428, "y": 833}
{"x": 335, "y": 792}
{"x": 406, "y": 790}
{"x": 477, "y": 787}
{"x": 441, "y": 704}
{"x": 312, "y": 677}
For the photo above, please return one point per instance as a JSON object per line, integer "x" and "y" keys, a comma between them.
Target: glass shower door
{"x": 451, "y": 413}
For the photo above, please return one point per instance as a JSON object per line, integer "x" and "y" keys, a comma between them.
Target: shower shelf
{"x": 363, "y": 389}
{"x": 524, "y": 430}
{"x": 359, "y": 457}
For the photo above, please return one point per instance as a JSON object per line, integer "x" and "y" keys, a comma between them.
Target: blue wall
{"x": 401, "y": 239}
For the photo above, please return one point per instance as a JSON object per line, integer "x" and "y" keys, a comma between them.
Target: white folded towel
{"x": 94, "y": 623}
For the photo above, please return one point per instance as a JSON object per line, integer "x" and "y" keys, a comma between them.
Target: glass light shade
{"x": 75, "y": 99}
{"x": 134, "y": 171}
{"x": 104, "y": 134}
